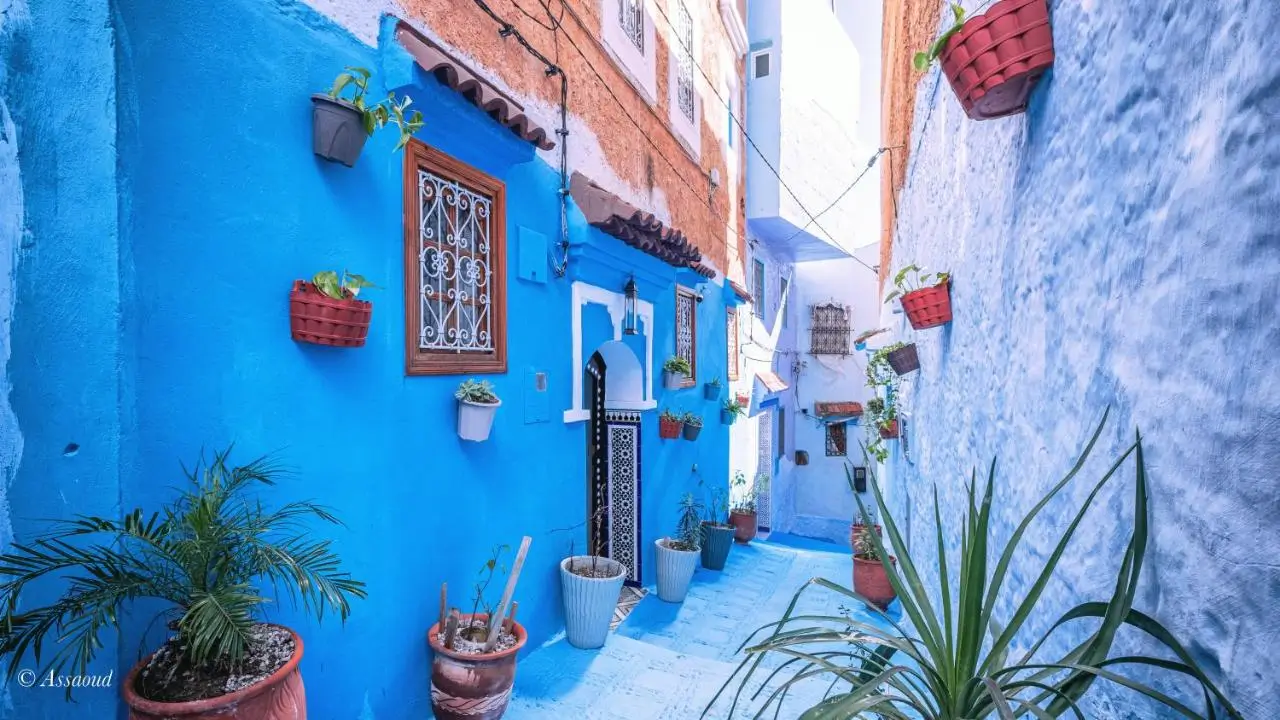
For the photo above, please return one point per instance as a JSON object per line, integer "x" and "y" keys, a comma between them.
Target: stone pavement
{"x": 667, "y": 661}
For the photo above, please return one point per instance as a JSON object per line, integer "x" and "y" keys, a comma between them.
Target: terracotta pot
{"x": 691, "y": 431}
{"x": 889, "y": 430}
{"x": 716, "y": 541}
{"x": 317, "y": 318}
{"x": 996, "y": 59}
{"x": 279, "y": 697}
{"x": 744, "y": 401}
{"x": 669, "y": 429}
{"x": 472, "y": 687}
{"x": 744, "y": 526}
{"x": 872, "y": 582}
{"x": 928, "y": 307}
{"x": 904, "y": 360}
{"x": 853, "y": 532}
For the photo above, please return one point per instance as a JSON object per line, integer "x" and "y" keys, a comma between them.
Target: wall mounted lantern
{"x": 629, "y": 320}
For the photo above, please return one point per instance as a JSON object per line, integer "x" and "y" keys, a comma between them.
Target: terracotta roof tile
{"x": 832, "y": 409}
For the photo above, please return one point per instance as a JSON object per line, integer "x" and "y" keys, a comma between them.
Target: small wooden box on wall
{"x": 802, "y": 457}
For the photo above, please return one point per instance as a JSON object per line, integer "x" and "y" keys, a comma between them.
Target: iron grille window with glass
{"x": 687, "y": 331}
{"x": 829, "y": 330}
{"x": 631, "y": 17}
{"x": 837, "y": 440}
{"x": 757, "y": 287}
{"x": 684, "y": 61}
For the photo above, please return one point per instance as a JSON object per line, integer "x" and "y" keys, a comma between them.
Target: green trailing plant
{"x": 923, "y": 60}
{"x": 692, "y": 419}
{"x": 960, "y": 661}
{"x": 340, "y": 287}
{"x": 879, "y": 372}
{"x": 675, "y": 364}
{"x": 912, "y": 278}
{"x": 207, "y": 555}
{"x": 689, "y": 528}
{"x": 476, "y": 391}
{"x": 732, "y": 407}
{"x": 380, "y": 114}
{"x": 877, "y": 414}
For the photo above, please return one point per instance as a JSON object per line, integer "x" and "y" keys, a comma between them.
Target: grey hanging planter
{"x": 905, "y": 359}
{"x": 337, "y": 130}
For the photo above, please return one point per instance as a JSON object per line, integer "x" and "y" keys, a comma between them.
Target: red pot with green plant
{"x": 925, "y": 297}
{"x": 742, "y": 507}
{"x": 889, "y": 429}
{"x": 994, "y": 60}
{"x": 325, "y": 311}
{"x": 870, "y": 575}
{"x": 670, "y": 425}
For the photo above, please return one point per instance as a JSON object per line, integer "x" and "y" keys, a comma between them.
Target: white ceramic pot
{"x": 675, "y": 571}
{"x": 475, "y": 420}
{"x": 672, "y": 380}
{"x": 589, "y": 602}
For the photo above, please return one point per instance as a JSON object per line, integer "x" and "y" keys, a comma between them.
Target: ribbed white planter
{"x": 589, "y": 602}
{"x": 675, "y": 571}
{"x": 475, "y": 420}
{"x": 672, "y": 380}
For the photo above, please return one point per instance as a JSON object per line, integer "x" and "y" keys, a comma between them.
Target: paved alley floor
{"x": 667, "y": 661}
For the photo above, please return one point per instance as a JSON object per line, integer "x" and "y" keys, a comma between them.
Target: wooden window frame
{"x": 731, "y": 342}
{"x": 682, "y": 291}
{"x": 440, "y": 362}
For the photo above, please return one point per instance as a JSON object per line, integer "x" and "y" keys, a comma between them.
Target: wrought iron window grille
{"x": 830, "y": 329}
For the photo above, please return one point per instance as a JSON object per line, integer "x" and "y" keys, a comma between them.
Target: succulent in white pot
{"x": 678, "y": 556}
{"x": 675, "y": 371}
{"x": 477, "y": 406}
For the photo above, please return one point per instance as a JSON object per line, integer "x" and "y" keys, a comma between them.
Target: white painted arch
{"x": 625, "y": 387}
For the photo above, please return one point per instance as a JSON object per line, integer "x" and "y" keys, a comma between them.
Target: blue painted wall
{"x": 1116, "y": 245}
{"x": 168, "y": 210}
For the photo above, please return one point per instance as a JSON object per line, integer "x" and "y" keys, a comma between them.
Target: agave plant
{"x": 202, "y": 554}
{"x": 947, "y": 669}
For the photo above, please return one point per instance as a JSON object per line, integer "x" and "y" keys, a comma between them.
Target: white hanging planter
{"x": 475, "y": 420}
{"x": 672, "y": 380}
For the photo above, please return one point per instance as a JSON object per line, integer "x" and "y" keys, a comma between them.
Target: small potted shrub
{"x": 717, "y": 533}
{"x": 477, "y": 406}
{"x": 858, "y": 523}
{"x": 730, "y": 411}
{"x": 870, "y": 574}
{"x": 878, "y": 420}
{"x": 994, "y": 60}
{"x": 711, "y": 390}
{"x": 675, "y": 371}
{"x": 678, "y": 556}
{"x": 692, "y": 425}
{"x": 474, "y": 655}
{"x": 670, "y": 425}
{"x": 339, "y": 127}
{"x": 742, "y": 510}
{"x": 590, "y": 585}
{"x": 206, "y": 555}
{"x": 325, "y": 311}
{"x": 925, "y": 297}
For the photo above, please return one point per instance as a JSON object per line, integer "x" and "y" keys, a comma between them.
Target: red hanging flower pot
{"x": 928, "y": 307}
{"x": 669, "y": 429}
{"x": 889, "y": 430}
{"x": 995, "y": 60}
{"x": 317, "y": 318}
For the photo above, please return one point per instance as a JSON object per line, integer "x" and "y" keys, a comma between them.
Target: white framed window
{"x": 757, "y": 286}
{"x": 761, "y": 64}
{"x": 627, "y": 33}
{"x": 684, "y": 60}
{"x": 682, "y": 93}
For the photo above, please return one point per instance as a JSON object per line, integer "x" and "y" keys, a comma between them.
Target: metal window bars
{"x": 684, "y": 62}
{"x": 829, "y": 329}
{"x": 631, "y": 18}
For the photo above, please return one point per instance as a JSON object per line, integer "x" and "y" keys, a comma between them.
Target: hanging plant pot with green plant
{"x": 730, "y": 411}
{"x": 692, "y": 426}
{"x": 742, "y": 506}
{"x": 477, "y": 407}
{"x": 339, "y": 127}
{"x": 903, "y": 358}
{"x": 676, "y": 372}
{"x": 994, "y": 60}
{"x": 925, "y": 297}
{"x": 711, "y": 390}
{"x": 325, "y": 311}
{"x": 670, "y": 425}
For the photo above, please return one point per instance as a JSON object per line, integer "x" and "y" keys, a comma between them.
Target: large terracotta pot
{"x": 996, "y": 59}
{"x": 744, "y": 526}
{"x": 872, "y": 582}
{"x": 927, "y": 308}
{"x": 279, "y": 697}
{"x": 317, "y": 318}
{"x": 472, "y": 687}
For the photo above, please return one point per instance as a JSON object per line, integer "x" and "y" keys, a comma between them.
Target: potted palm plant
{"x": 994, "y": 60}
{"x": 675, "y": 372}
{"x": 956, "y": 660}
{"x": 711, "y": 390}
{"x": 477, "y": 406}
{"x": 590, "y": 585}
{"x": 742, "y": 508}
{"x": 340, "y": 126}
{"x": 925, "y": 297}
{"x": 473, "y": 666}
{"x": 670, "y": 425}
{"x": 678, "y": 556}
{"x": 717, "y": 532}
{"x": 221, "y": 659}
{"x": 325, "y": 311}
{"x": 692, "y": 425}
{"x": 730, "y": 411}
